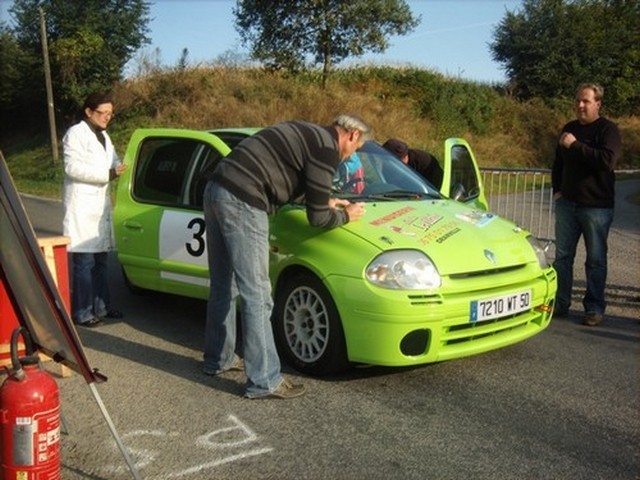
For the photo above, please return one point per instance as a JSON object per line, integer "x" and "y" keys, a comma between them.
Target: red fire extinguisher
{"x": 29, "y": 418}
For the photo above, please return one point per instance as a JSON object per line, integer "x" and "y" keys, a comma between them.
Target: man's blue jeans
{"x": 572, "y": 222}
{"x": 90, "y": 296}
{"x": 238, "y": 256}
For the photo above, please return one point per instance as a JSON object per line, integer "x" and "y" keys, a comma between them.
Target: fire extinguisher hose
{"x": 30, "y": 359}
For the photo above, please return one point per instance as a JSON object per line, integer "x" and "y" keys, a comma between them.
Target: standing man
{"x": 90, "y": 163}
{"x": 583, "y": 181}
{"x": 284, "y": 163}
{"x": 422, "y": 162}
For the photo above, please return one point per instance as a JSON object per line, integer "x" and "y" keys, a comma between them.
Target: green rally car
{"x": 420, "y": 278}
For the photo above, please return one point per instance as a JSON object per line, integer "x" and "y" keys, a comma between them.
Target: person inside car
{"x": 422, "y": 162}
{"x": 351, "y": 175}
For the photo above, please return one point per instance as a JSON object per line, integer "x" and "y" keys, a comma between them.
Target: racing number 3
{"x": 196, "y": 225}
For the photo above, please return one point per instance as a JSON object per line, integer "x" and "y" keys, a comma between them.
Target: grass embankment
{"x": 419, "y": 106}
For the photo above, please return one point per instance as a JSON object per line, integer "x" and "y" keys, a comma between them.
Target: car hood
{"x": 456, "y": 238}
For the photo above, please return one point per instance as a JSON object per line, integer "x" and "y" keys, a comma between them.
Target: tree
{"x": 551, "y": 46}
{"x": 285, "y": 34}
{"x": 10, "y": 71}
{"x": 90, "y": 42}
{"x": 17, "y": 85}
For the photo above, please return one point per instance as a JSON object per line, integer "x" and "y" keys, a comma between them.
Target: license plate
{"x": 496, "y": 307}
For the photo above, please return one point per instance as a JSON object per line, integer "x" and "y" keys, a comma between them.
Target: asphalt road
{"x": 562, "y": 405}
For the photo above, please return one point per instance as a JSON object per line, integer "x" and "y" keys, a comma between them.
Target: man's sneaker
{"x": 237, "y": 366}
{"x": 592, "y": 319}
{"x": 286, "y": 389}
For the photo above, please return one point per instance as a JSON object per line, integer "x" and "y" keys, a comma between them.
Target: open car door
{"x": 461, "y": 179}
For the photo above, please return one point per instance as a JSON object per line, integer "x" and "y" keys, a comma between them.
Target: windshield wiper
{"x": 408, "y": 194}
{"x": 389, "y": 196}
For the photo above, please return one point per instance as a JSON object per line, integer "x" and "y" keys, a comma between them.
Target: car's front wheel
{"x": 307, "y": 326}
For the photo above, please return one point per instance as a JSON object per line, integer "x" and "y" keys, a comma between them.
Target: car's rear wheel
{"x": 307, "y": 326}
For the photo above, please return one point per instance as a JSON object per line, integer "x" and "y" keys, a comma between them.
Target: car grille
{"x": 475, "y": 331}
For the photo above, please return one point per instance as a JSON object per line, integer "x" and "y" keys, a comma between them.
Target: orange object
{"x": 54, "y": 250}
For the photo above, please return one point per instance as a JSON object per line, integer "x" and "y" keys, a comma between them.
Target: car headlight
{"x": 407, "y": 269}
{"x": 540, "y": 252}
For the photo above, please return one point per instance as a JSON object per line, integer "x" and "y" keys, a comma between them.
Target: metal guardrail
{"x": 525, "y": 196}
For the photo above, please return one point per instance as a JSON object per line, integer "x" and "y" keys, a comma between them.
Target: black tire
{"x": 307, "y": 327}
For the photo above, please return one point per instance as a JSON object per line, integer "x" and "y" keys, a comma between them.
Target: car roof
{"x": 244, "y": 130}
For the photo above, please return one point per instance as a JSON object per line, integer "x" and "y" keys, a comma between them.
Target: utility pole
{"x": 47, "y": 78}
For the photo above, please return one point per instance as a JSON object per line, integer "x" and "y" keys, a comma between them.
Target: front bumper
{"x": 397, "y": 328}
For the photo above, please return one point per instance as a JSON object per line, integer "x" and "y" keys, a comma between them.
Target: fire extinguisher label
{"x": 36, "y": 442}
{"x": 23, "y": 444}
{"x": 47, "y": 436}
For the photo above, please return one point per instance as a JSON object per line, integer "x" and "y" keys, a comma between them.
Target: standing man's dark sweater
{"x": 584, "y": 172}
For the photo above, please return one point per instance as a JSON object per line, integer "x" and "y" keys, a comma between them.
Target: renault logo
{"x": 489, "y": 255}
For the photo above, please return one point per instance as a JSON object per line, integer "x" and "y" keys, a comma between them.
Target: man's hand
{"x": 338, "y": 203}
{"x": 566, "y": 139}
{"x": 354, "y": 210}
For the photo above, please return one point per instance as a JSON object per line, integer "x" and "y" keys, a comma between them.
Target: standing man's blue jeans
{"x": 90, "y": 296}
{"x": 572, "y": 222}
{"x": 238, "y": 256}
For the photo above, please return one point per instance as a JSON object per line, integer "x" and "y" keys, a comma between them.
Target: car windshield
{"x": 372, "y": 173}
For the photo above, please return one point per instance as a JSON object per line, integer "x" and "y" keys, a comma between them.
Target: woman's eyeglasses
{"x": 105, "y": 113}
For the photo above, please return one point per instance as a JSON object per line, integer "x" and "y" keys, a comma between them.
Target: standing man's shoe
{"x": 592, "y": 319}
{"x": 237, "y": 366}
{"x": 285, "y": 390}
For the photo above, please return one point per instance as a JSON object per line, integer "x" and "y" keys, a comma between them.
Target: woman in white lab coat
{"x": 90, "y": 163}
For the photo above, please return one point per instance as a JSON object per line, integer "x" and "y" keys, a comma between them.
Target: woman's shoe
{"x": 92, "y": 323}
{"x": 111, "y": 313}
